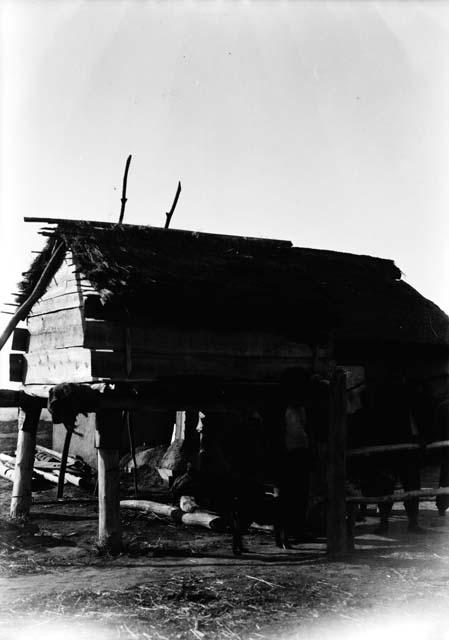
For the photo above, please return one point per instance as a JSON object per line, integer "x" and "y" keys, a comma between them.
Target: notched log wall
{"x": 69, "y": 341}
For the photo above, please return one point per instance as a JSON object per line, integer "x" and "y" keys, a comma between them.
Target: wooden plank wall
{"x": 56, "y": 322}
{"x": 65, "y": 344}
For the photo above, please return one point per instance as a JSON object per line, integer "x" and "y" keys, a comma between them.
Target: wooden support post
{"x": 180, "y": 425}
{"x": 108, "y": 443}
{"x": 337, "y": 538}
{"x": 26, "y": 444}
{"x": 65, "y": 455}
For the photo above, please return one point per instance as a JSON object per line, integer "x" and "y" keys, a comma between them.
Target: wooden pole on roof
{"x": 170, "y": 213}
{"x": 124, "y": 198}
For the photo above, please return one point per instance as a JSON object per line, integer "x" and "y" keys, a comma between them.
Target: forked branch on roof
{"x": 124, "y": 198}
{"x": 173, "y": 207}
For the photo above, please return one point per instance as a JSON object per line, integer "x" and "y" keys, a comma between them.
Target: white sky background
{"x": 324, "y": 123}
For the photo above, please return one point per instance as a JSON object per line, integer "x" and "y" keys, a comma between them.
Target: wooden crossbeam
{"x": 387, "y": 448}
{"x": 399, "y": 497}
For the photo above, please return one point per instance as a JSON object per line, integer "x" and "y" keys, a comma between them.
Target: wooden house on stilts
{"x": 171, "y": 320}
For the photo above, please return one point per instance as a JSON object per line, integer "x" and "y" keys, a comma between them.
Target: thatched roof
{"x": 187, "y": 278}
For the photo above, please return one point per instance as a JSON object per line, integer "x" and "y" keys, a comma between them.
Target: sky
{"x": 324, "y": 123}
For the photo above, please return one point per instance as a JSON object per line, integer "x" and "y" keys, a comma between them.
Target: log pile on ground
{"x": 46, "y": 470}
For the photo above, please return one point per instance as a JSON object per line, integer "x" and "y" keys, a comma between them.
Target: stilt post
{"x": 108, "y": 433}
{"x": 337, "y": 534}
{"x": 28, "y": 421}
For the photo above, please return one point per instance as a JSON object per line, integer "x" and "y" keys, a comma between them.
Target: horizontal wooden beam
{"x": 13, "y": 398}
{"x": 399, "y": 497}
{"x": 177, "y": 395}
{"x": 45, "y": 306}
{"x": 163, "y": 340}
{"x": 78, "y": 364}
{"x": 387, "y": 448}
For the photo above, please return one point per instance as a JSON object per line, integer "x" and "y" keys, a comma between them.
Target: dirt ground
{"x": 174, "y": 581}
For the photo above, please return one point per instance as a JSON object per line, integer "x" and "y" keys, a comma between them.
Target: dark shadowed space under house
{"x": 162, "y": 321}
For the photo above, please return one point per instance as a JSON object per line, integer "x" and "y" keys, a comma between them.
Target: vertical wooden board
{"x": 83, "y": 440}
{"x": 180, "y": 425}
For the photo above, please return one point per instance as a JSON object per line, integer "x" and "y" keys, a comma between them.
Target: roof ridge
{"x": 62, "y": 222}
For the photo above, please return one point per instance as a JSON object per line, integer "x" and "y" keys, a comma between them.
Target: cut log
{"x": 6, "y": 471}
{"x": 56, "y": 454}
{"x": 78, "y": 481}
{"x": 439, "y": 444}
{"x": 45, "y": 465}
{"x": 48, "y": 475}
{"x": 204, "y": 519}
{"x": 53, "y": 476}
{"x": 197, "y": 518}
{"x": 148, "y": 506}
{"x": 8, "y": 460}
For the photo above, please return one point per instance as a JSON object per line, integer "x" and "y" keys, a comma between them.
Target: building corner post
{"x": 108, "y": 432}
{"x": 28, "y": 421}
